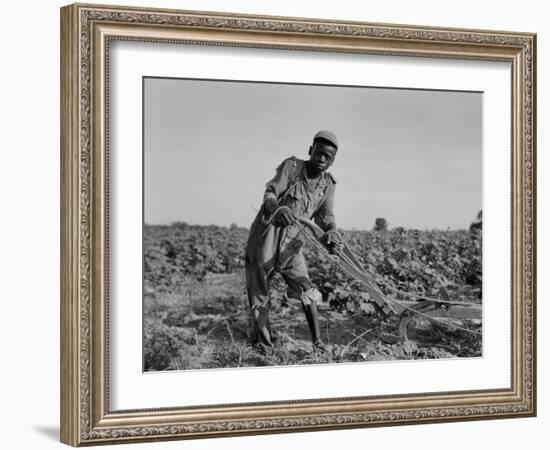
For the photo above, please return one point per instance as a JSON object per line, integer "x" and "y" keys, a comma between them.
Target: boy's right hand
{"x": 284, "y": 217}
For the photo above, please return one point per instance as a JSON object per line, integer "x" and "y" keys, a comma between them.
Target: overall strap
{"x": 329, "y": 180}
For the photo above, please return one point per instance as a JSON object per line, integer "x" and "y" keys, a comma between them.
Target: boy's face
{"x": 322, "y": 154}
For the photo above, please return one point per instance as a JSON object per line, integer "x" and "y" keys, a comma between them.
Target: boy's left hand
{"x": 333, "y": 240}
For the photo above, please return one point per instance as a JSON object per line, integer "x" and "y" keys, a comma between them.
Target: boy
{"x": 299, "y": 189}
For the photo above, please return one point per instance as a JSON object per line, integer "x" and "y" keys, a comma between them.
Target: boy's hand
{"x": 284, "y": 217}
{"x": 334, "y": 241}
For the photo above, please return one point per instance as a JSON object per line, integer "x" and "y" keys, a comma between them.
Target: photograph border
{"x": 86, "y": 33}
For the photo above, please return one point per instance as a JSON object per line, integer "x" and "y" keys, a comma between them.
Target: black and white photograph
{"x": 292, "y": 224}
{"x": 294, "y": 220}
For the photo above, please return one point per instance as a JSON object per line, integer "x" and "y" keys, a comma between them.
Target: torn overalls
{"x": 273, "y": 249}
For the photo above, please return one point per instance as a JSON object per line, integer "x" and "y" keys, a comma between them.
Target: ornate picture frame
{"x": 87, "y": 31}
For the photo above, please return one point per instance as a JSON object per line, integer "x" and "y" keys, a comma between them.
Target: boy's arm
{"x": 277, "y": 185}
{"x": 326, "y": 220}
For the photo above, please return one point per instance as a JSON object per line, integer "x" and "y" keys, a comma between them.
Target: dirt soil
{"x": 204, "y": 323}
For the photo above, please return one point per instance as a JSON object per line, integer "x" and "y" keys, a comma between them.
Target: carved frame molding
{"x": 86, "y": 31}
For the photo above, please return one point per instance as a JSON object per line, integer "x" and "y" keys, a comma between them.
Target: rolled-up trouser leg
{"x": 257, "y": 287}
{"x": 262, "y": 327}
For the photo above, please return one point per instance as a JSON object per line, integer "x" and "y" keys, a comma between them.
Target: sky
{"x": 413, "y": 157}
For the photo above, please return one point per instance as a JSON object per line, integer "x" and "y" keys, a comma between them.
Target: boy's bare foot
{"x": 262, "y": 349}
{"x": 318, "y": 346}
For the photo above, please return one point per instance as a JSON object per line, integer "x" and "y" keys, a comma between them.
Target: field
{"x": 196, "y": 313}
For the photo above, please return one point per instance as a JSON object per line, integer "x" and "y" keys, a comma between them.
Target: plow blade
{"x": 442, "y": 310}
{"x": 436, "y": 310}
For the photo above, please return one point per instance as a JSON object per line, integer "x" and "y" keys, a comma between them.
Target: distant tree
{"x": 233, "y": 226}
{"x": 169, "y": 249}
{"x": 477, "y": 224}
{"x": 380, "y": 224}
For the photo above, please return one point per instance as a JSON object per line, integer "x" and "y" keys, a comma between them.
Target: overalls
{"x": 273, "y": 249}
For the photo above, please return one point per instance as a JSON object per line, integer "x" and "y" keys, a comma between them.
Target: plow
{"x": 439, "y": 309}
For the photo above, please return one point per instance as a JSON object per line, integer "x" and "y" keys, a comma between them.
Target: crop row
{"x": 413, "y": 261}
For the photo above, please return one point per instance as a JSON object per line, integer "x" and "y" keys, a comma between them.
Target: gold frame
{"x": 86, "y": 31}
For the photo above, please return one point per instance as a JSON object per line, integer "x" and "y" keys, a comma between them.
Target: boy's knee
{"x": 312, "y": 295}
{"x": 296, "y": 287}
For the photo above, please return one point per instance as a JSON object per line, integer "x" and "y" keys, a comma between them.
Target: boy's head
{"x": 322, "y": 151}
